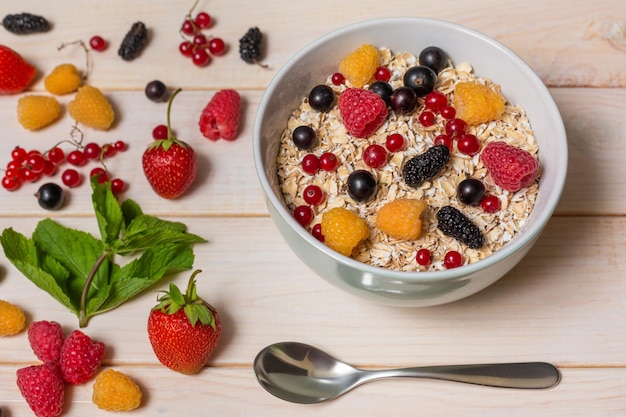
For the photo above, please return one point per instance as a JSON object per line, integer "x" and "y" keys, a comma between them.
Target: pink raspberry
{"x": 43, "y": 389}
{"x": 362, "y": 111}
{"x": 46, "y": 339}
{"x": 220, "y": 117}
{"x": 511, "y": 168}
{"x": 80, "y": 357}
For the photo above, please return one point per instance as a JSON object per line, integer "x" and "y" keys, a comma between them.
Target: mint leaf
{"x": 130, "y": 210}
{"x": 48, "y": 274}
{"x": 108, "y": 211}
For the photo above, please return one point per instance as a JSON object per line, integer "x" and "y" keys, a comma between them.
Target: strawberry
{"x": 46, "y": 339}
{"x": 43, "y": 389}
{"x": 362, "y": 111}
{"x": 15, "y": 72}
{"x": 80, "y": 357}
{"x": 511, "y": 168}
{"x": 220, "y": 117}
{"x": 170, "y": 165}
{"x": 183, "y": 329}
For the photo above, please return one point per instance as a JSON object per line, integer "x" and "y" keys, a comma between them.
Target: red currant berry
{"x": 303, "y": 215}
{"x": 49, "y": 168}
{"x": 71, "y": 178}
{"x": 186, "y": 49}
{"x": 108, "y": 150}
{"x": 490, "y": 203}
{"x": 36, "y": 163}
{"x": 310, "y": 164}
{"x": 203, "y": 20}
{"x": 395, "y": 142}
{"x": 201, "y": 58}
{"x": 100, "y": 173}
{"x": 427, "y": 118}
{"x": 77, "y": 158}
{"x": 382, "y": 74}
{"x": 56, "y": 155}
{"x": 19, "y": 154}
{"x": 328, "y": 161}
{"x": 468, "y": 144}
{"x": 97, "y": 43}
{"x": 117, "y": 186}
{"x": 316, "y": 231}
{"x": 448, "y": 112}
{"x": 160, "y": 132}
{"x": 120, "y": 146}
{"x": 91, "y": 151}
{"x": 423, "y": 257}
{"x": 11, "y": 183}
{"x": 14, "y": 165}
{"x": 14, "y": 173}
{"x": 188, "y": 27}
{"x": 375, "y": 156}
{"x": 34, "y": 152}
{"x": 444, "y": 140}
{"x": 435, "y": 101}
{"x": 217, "y": 46}
{"x": 338, "y": 78}
{"x": 30, "y": 175}
{"x": 200, "y": 40}
{"x": 313, "y": 195}
{"x": 456, "y": 127}
{"x": 452, "y": 259}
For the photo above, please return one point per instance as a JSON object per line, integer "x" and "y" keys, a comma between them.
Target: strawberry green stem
{"x": 82, "y": 316}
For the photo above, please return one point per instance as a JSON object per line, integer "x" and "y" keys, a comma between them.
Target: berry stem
{"x": 88, "y": 63}
{"x": 170, "y": 135}
{"x": 82, "y": 316}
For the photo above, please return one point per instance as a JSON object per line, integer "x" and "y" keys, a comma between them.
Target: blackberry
{"x": 25, "y": 23}
{"x": 134, "y": 42}
{"x": 425, "y": 166}
{"x": 452, "y": 222}
{"x": 250, "y": 46}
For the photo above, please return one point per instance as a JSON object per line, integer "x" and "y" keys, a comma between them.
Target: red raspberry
{"x": 46, "y": 340}
{"x": 42, "y": 387}
{"x": 511, "y": 168}
{"x": 220, "y": 117}
{"x": 80, "y": 357}
{"x": 362, "y": 111}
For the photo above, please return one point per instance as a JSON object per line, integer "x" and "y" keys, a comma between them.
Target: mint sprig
{"x": 80, "y": 270}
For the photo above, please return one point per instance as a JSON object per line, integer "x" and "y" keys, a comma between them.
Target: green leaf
{"x": 50, "y": 276}
{"x": 108, "y": 211}
{"x": 130, "y": 210}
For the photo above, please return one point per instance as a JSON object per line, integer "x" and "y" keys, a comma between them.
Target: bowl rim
{"x": 507, "y": 250}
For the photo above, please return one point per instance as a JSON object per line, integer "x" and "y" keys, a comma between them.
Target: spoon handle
{"x": 522, "y": 375}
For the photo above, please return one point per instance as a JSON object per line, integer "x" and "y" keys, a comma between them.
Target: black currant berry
{"x": 434, "y": 58}
{"x": 383, "y": 89}
{"x": 470, "y": 191}
{"x": 50, "y": 196}
{"x": 403, "y": 100}
{"x": 304, "y": 137}
{"x": 156, "y": 91}
{"x": 421, "y": 79}
{"x": 321, "y": 98}
{"x": 361, "y": 185}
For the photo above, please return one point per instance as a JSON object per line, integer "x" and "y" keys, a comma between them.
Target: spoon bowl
{"x": 304, "y": 374}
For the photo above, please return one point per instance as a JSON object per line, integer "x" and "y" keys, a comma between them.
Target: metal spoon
{"x": 301, "y": 373}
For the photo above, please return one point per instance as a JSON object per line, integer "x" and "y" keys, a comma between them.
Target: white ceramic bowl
{"x": 489, "y": 59}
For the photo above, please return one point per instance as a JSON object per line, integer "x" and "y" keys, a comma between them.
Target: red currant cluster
{"x": 31, "y": 166}
{"x": 197, "y": 45}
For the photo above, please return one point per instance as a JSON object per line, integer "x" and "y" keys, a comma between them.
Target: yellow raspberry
{"x": 12, "y": 319}
{"x": 64, "y": 79}
{"x": 343, "y": 230}
{"x": 91, "y": 108}
{"x": 36, "y": 111}
{"x": 401, "y": 218}
{"x": 476, "y": 103}
{"x": 359, "y": 67}
{"x": 115, "y": 391}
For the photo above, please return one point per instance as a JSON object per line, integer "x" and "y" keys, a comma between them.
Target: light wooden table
{"x": 565, "y": 303}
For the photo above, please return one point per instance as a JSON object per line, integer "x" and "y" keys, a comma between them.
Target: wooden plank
{"x": 565, "y": 302}
{"x": 235, "y": 392}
